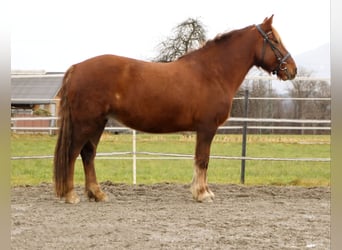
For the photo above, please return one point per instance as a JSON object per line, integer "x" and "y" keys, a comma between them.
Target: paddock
{"x": 164, "y": 216}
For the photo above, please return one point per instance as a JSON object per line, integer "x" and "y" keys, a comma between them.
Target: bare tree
{"x": 306, "y": 89}
{"x": 257, "y": 108}
{"x": 309, "y": 89}
{"x": 300, "y": 89}
{"x": 188, "y": 35}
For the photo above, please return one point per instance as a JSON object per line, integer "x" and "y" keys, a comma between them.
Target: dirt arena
{"x": 164, "y": 216}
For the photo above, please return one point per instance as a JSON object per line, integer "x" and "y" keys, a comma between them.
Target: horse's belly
{"x": 156, "y": 123}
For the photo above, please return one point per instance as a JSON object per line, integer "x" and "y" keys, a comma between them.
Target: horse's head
{"x": 271, "y": 54}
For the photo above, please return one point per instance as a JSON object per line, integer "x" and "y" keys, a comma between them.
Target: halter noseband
{"x": 281, "y": 59}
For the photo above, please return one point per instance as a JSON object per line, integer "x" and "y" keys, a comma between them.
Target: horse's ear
{"x": 267, "y": 23}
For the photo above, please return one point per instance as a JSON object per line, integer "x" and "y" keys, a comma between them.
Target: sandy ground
{"x": 164, "y": 216}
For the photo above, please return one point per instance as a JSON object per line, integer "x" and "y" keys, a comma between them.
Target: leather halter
{"x": 281, "y": 59}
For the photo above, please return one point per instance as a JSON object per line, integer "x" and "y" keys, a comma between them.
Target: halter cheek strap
{"x": 281, "y": 59}
{"x": 266, "y": 39}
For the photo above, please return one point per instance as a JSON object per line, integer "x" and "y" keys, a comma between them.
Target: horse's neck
{"x": 231, "y": 59}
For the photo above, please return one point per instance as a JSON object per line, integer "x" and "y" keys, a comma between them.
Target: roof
{"x": 35, "y": 89}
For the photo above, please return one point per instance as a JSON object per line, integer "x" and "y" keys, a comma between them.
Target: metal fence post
{"x": 244, "y": 139}
{"x": 134, "y": 156}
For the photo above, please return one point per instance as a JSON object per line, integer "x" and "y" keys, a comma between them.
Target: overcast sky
{"x": 52, "y": 35}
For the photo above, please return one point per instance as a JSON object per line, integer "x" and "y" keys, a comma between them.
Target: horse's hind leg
{"x": 71, "y": 196}
{"x": 199, "y": 187}
{"x": 75, "y": 149}
{"x": 88, "y": 153}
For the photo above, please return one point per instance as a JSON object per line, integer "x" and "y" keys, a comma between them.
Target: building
{"x": 34, "y": 94}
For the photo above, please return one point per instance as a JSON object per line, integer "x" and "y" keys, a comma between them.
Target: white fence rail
{"x": 166, "y": 156}
{"x": 232, "y": 119}
{"x": 134, "y": 155}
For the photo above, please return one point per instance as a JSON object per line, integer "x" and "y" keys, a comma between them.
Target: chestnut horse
{"x": 193, "y": 93}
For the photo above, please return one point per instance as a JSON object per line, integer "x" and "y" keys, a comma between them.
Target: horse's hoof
{"x": 212, "y": 195}
{"x": 97, "y": 196}
{"x": 72, "y": 198}
{"x": 101, "y": 197}
{"x": 205, "y": 197}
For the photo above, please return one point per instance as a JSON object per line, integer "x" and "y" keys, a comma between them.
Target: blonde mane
{"x": 276, "y": 35}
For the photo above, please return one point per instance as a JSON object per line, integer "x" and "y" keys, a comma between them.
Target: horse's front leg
{"x": 199, "y": 187}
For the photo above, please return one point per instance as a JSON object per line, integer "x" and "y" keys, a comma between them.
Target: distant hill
{"x": 316, "y": 60}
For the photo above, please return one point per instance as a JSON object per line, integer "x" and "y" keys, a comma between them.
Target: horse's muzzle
{"x": 287, "y": 74}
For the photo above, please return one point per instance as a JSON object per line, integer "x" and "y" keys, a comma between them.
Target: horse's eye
{"x": 272, "y": 37}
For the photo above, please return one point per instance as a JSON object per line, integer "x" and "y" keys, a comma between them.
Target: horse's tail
{"x": 62, "y": 150}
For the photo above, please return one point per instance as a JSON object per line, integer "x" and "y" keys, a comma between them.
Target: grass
{"x": 35, "y": 171}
